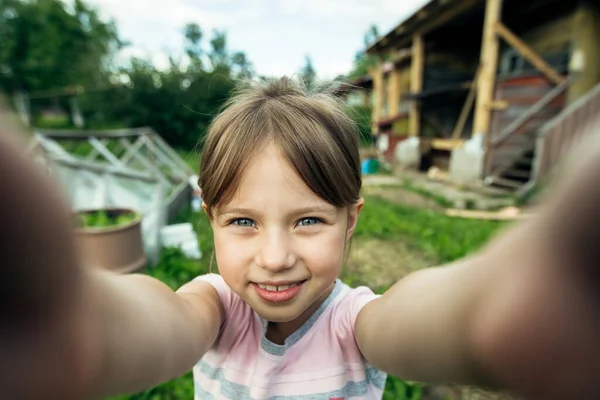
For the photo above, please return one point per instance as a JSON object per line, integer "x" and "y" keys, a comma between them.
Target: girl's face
{"x": 278, "y": 245}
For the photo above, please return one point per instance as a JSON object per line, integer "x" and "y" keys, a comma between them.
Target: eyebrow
{"x": 304, "y": 210}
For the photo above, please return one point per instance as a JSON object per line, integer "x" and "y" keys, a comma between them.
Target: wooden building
{"x": 473, "y": 83}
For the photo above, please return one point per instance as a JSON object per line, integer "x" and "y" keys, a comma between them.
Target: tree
{"x": 218, "y": 56}
{"x": 308, "y": 73}
{"x": 47, "y": 46}
{"x": 193, "y": 48}
{"x": 242, "y": 65}
{"x": 362, "y": 60}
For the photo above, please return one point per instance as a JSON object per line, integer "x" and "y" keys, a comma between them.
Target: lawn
{"x": 427, "y": 236}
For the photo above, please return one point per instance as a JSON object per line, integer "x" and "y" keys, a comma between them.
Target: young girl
{"x": 281, "y": 185}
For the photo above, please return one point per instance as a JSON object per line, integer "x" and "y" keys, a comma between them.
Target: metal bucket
{"x": 116, "y": 248}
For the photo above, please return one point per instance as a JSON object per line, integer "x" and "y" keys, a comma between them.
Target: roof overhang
{"x": 429, "y": 17}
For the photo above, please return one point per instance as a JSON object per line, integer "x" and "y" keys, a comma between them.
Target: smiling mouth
{"x": 278, "y": 293}
{"x": 279, "y": 288}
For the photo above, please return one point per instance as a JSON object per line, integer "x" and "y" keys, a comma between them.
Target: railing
{"x": 557, "y": 136}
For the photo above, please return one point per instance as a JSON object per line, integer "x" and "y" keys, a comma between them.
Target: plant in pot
{"x": 111, "y": 239}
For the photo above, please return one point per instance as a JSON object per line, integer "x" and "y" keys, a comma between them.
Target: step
{"x": 525, "y": 161}
{"x": 508, "y": 183}
{"x": 517, "y": 173}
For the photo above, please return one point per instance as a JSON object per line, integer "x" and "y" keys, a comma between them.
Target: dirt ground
{"x": 399, "y": 195}
{"x": 380, "y": 263}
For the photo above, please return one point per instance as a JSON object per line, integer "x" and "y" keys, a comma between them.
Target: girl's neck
{"x": 278, "y": 332}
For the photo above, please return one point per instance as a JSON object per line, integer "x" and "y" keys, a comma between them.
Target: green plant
{"x": 106, "y": 218}
{"x": 397, "y": 389}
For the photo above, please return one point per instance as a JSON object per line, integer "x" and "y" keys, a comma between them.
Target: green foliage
{"x": 105, "y": 218}
{"x": 397, "y": 389}
{"x": 54, "y": 50}
{"x": 362, "y": 60}
{"x": 308, "y": 72}
{"x": 48, "y": 45}
{"x": 361, "y": 115}
{"x": 178, "y": 103}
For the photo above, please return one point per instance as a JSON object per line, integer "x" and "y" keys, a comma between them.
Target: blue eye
{"x": 308, "y": 221}
{"x": 244, "y": 222}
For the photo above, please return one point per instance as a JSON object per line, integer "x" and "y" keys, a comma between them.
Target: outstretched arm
{"x": 67, "y": 332}
{"x": 521, "y": 314}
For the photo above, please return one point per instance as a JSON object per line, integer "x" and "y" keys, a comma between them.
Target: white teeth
{"x": 280, "y": 288}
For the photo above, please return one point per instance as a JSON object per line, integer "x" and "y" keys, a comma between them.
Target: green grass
{"x": 440, "y": 237}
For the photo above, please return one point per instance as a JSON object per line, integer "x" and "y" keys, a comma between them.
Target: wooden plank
{"x": 498, "y": 105}
{"x": 488, "y": 64}
{"x": 446, "y": 144}
{"x": 466, "y": 110}
{"x": 416, "y": 83}
{"x": 505, "y": 214}
{"x": 528, "y": 53}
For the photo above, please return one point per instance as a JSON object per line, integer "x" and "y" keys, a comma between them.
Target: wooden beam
{"x": 377, "y": 76}
{"x": 466, "y": 110}
{"x": 416, "y": 84}
{"x": 488, "y": 66}
{"x": 446, "y": 144}
{"x": 528, "y": 53}
{"x": 498, "y": 105}
{"x": 393, "y": 99}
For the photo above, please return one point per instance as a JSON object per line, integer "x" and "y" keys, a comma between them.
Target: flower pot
{"x": 117, "y": 247}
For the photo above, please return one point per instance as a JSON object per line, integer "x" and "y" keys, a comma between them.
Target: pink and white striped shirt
{"x": 320, "y": 361}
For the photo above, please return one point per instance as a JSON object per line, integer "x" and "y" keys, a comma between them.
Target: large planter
{"x": 117, "y": 247}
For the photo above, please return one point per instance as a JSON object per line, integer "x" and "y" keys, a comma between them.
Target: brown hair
{"x": 315, "y": 135}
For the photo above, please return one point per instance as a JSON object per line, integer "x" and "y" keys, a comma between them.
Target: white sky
{"x": 275, "y": 34}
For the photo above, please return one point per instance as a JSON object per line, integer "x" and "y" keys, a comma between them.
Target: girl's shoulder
{"x": 348, "y": 304}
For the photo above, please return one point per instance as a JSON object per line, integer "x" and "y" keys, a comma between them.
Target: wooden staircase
{"x": 517, "y": 174}
{"x": 541, "y": 150}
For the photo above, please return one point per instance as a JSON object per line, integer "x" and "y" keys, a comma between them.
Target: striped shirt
{"x": 320, "y": 361}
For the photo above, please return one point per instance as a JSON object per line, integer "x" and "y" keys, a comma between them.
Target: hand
{"x": 538, "y": 330}
{"x": 41, "y": 321}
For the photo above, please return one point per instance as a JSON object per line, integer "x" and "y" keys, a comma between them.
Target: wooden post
{"x": 466, "y": 110}
{"x": 394, "y": 92}
{"x": 528, "y": 53}
{"x": 488, "y": 66}
{"x": 416, "y": 83}
{"x": 377, "y": 76}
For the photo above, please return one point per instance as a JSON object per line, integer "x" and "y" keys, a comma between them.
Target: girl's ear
{"x": 205, "y": 208}
{"x": 353, "y": 214}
